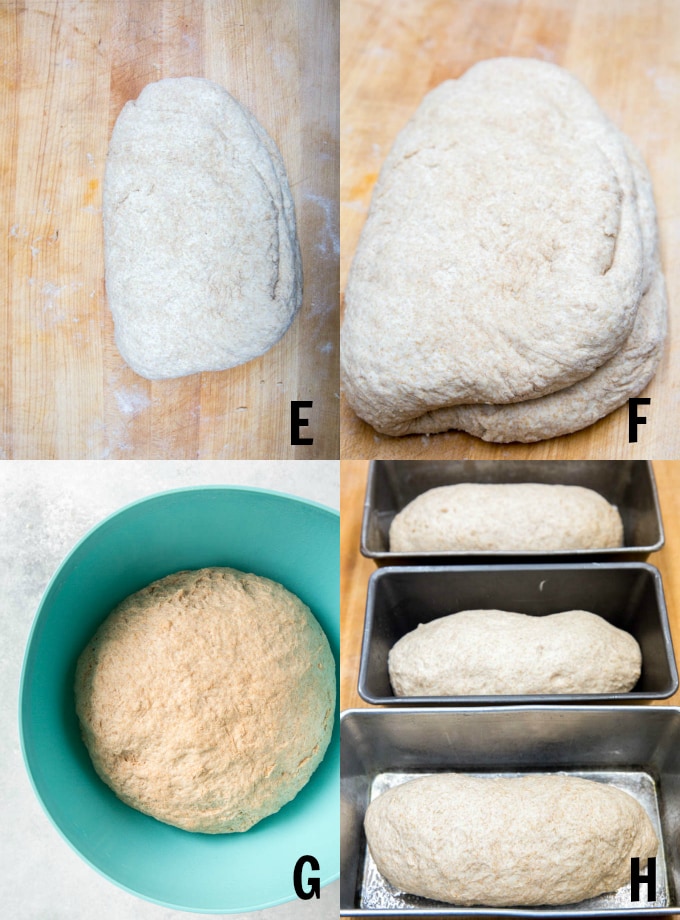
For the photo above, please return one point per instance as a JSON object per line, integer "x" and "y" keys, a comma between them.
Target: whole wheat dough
{"x": 470, "y": 294}
{"x": 203, "y": 268}
{"x": 507, "y": 842}
{"x": 609, "y": 387}
{"x": 512, "y": 517}
{"x": 623, "y": 376}
{"x": 498, "y": 652}
{"x": 207, "y": 699}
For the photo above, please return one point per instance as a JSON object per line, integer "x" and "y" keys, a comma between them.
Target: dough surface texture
{"x": 207, "y": 699}
{"x": 610, "y": 386}
{"x": 512, "y": 517}
{"x": 509, "y": 246}
{"x": 506, "y": 842}
{"x": 488, "y": 652}
{"x": 623, "y": 376}
{"x": 203, "y": 268}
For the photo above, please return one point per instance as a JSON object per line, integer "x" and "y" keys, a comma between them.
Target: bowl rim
{"x": 285, "y": 497}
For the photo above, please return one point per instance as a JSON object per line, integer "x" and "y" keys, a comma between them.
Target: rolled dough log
{"x": 507, "y": 842}
{"x": 207, "y": 699}
{"x": 513, "y": 517}
{"x": 498, "y": 652}
{"x": 203, "y": 268}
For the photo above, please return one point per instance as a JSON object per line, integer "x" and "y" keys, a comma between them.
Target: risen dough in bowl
{"x": 207, "y": 699}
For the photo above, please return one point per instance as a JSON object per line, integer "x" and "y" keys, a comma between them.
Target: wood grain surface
{"x": 67, "y": 70}
{"x": 355, "y": 570}
{"x": 626, "y": 52}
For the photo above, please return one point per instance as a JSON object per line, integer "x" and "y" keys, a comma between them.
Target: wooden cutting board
{"x": 67, "y": 70}
{"x": 625, "y": 51}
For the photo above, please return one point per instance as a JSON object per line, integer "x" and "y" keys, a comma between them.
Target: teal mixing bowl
{"x": 292, "y": 541}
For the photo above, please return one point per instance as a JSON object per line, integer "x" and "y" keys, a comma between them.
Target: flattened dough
{"x": 203, "y": 268}
{"x": 512, "y": 517}
{"x": 207, "y": 699}
{"x": 507, "y": 842}
{"x": 488, "y": 652}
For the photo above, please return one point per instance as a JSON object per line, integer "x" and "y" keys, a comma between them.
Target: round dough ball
{"x": 207, "y": 699}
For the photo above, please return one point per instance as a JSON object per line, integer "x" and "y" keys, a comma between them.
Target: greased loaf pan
{"x": 627, "y": 595}
{"x": 634, "y": 748}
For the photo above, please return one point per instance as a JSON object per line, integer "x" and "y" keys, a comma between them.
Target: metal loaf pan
{"x": 636, "y": 748}
{"x": 628, "y": 484}
{"x": 627, "y": 594}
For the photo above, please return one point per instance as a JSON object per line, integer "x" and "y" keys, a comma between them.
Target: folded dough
{"x": 203, "y": 267}
{"x": 509, "y": 248}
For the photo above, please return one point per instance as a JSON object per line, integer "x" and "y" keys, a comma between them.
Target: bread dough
{"x": 500, "y": 259}
{"x": 609, "y": 387}
{"x": 207, "y": 699}
{"x": 490, "y": 652}
{"x": 464, "y": 308}
{"x": 203, "y": 268}
{"x": 625, "y": 375}
{"x": 506, "y": 517}
{"x": 507, "y": 842}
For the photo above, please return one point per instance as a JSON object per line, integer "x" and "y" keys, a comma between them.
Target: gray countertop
{"x": 45, "y": 507}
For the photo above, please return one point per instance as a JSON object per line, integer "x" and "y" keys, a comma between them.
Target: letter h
{"x": 636, "y": 877}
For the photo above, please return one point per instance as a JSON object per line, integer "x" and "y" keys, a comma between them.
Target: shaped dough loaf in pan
{"x": 489, "y": 652}
{"x": 506, "y": 517}
{"x": 507, "y": 841}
